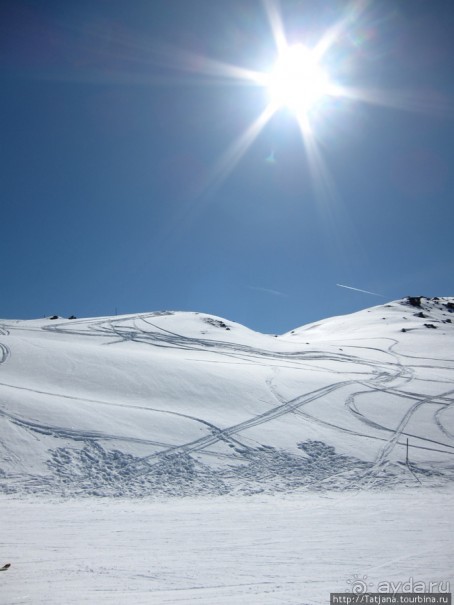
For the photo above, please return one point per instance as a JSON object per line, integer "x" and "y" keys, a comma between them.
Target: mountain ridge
{"x": 187, "y": 403}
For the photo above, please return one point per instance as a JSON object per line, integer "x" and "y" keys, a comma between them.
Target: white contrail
{"x": 359, "y": 290}
{"x": 267, "y": 291}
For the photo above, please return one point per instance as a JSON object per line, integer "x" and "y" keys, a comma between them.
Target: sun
{"x": 297, "y": 80}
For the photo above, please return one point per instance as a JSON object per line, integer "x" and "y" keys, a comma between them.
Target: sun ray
{"x": 405, "y": 100}
{"x": 237, "y": 149}
{"x": 335, "y": 32}
{"x": 340, "y": 232}
{"x": 277, "y": 27}
{"x": 223, "y": 167}
{"x": 322, "y": 181}
{"x": 193, "y": 62}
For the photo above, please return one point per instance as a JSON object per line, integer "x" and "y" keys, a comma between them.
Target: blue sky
{"x": 118, "y": 193}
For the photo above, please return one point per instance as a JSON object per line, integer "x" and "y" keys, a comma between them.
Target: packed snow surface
{"x": 173, "y": 403}
{"x": 257, "y": 550}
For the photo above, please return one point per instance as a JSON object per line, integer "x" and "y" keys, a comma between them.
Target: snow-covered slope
{"x": 187, "y": 403}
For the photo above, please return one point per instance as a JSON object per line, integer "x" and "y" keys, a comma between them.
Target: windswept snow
{"x": 173, "y": 403}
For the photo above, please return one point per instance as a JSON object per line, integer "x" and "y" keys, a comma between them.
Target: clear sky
{"x": 133, "y": 178}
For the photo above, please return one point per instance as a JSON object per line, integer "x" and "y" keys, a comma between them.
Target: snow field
{"x": 260, "y": 550}
{"x": 170, "y": 403}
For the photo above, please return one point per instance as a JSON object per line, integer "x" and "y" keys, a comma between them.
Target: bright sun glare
{"x": 297, "y": 80}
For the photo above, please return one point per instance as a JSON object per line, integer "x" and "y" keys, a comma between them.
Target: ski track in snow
{"x": 4, "y": 353}
{"x": 439, "y": 422}
{"x": 171, "y": 468}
